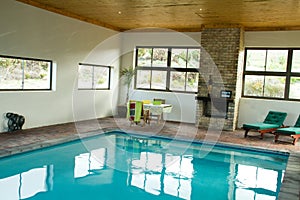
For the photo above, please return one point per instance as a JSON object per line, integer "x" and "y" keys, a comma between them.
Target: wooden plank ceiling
{"x": 180, "y": 15}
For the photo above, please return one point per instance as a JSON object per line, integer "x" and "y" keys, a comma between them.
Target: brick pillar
{"x": 222, "y": 58}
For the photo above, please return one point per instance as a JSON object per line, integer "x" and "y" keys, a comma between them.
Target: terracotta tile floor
{"x": 51, "y": 134}
{"x": 28, "y": 139}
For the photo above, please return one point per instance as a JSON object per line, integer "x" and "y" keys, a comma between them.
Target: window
{"x": 272, "y": 73}
{"x": 167, "y": 68}
{"x": 25, "y": 73}
{"x": 93, "y": 77}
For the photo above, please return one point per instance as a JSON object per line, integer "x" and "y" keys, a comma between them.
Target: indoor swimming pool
{"x": 120, "y": 165}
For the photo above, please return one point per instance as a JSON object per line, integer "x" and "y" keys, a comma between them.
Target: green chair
{"x": 273, "y": 121}
{"x": 134, "y": 111}
{"x": 293, "y": 132}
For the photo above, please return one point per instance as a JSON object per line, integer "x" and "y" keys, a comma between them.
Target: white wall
{"x": 184, "y": 105}
{"x": 27, "y": 31}
{"x": 272, "y": 39}
{"x": 255, "y": 110}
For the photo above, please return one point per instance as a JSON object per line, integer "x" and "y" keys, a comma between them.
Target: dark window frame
{"x": 94, "y": 66}
{"x": 168, "y": 69}
{"x": 287, "y": 74}
{"x": 23, "y": 75}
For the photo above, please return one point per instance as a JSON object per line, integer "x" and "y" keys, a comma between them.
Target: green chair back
{"x": 156, "y": 102}
{"x": 275, "y": 117}
{"x": 298, "y": 122}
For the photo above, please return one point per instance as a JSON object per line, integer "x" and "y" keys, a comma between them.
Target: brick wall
{"x": 221, "y": 57}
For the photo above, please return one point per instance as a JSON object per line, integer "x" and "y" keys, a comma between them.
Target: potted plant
{"x": 127, "y": 74}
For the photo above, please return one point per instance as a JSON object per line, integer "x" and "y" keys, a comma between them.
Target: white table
{"x": 158, "y": 110}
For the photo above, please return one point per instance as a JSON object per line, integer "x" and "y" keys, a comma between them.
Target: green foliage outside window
{"x": 168, "y": 68}
{"x": 93, "y": 77}
{"x": 267, "y": 71}
{"x": 23, "y": 73}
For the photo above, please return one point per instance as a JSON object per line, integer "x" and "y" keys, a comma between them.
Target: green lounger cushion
{"x": 274, "y": 119}
{"x": 294, "y": 130}
{"x": 289, "y": 130}
{"x": 260, "y": 126}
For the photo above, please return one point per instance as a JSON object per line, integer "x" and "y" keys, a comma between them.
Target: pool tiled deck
{"x": 30, "y": 139}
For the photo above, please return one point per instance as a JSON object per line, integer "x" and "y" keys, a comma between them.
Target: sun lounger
{"x": 293, "y": 132}
{"x": 273, "y": 121}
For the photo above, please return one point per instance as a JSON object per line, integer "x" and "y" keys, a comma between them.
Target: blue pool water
{"x": 118, "y": 165}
